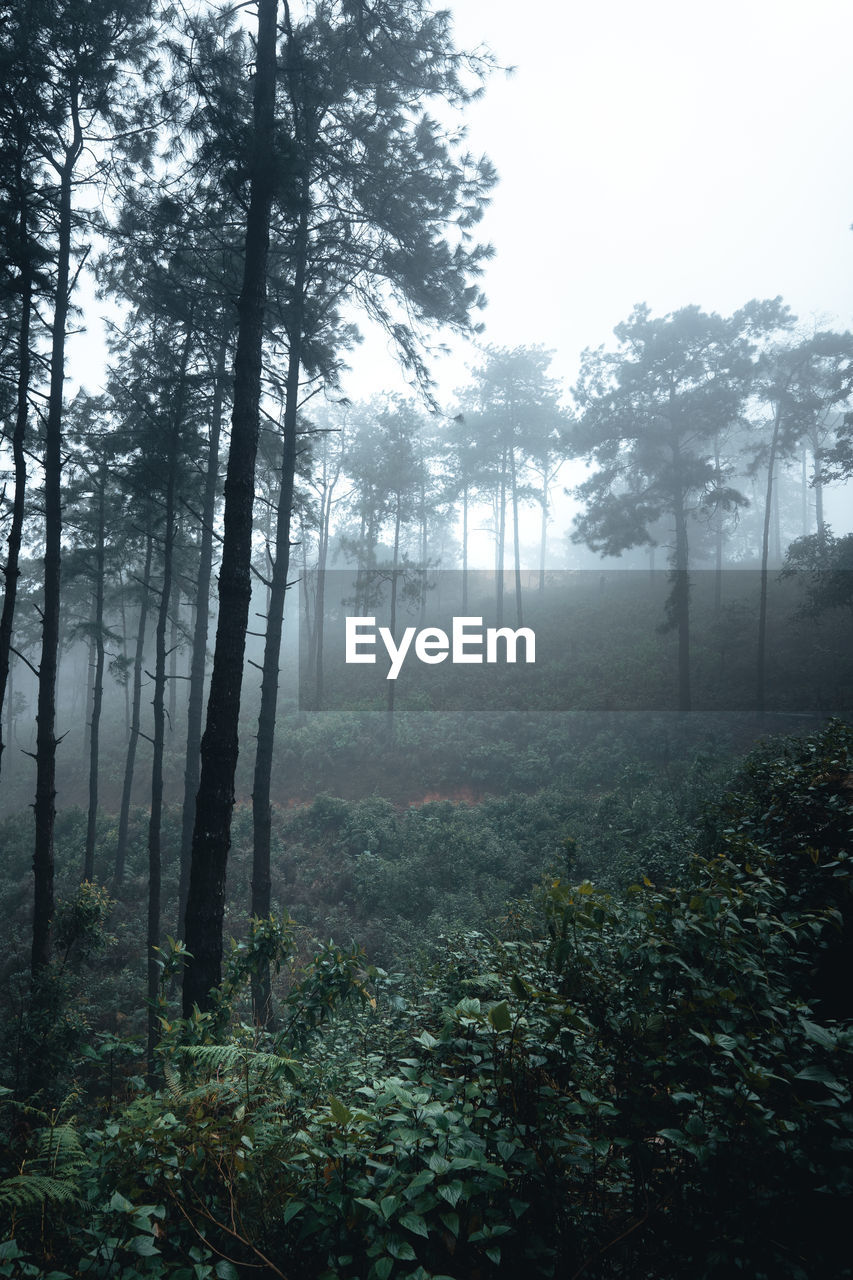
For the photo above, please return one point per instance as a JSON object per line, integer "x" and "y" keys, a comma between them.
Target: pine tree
{"x": 219, "y": 747}
{"x": 648, "y": 414}
{"x": 85, "y": 51}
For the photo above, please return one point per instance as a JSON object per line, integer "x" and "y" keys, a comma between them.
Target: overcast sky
{"x": 664, "y": 152}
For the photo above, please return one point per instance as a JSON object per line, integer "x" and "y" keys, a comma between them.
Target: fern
{"x": 173, "y": 1082}
{"x": 216, "y": 1058}
{"x": 257, "y": 1082}
{"x": 58, "y": 1151}
{"x": 49, "y": 1175}
{"x": 26, "y": 1191}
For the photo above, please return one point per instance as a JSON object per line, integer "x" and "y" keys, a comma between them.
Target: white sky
{"x": 664, "y": 152}
{"x": 660, "y": 151}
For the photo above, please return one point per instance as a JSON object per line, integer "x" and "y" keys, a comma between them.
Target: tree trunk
{"x": 261, "y": 807}
{"x": 174, "y": 644}
{"x": 88, "y": 684}
{"x": 718, "y": 537}
{"x": 307, "y": 624}
{"x": 680, "y": 598}
{"x": 424, "y": 548}
{"x": 156, "y": 813}
{"x": 318, "y": 638}
{"x": 392, "y": 624}
{"x": 761, "y": 669}
{"x": 123, "y": 610}
{"x": 519, "y": 613}
{"x": 322, "y": 561}
{"x": 45, "y": 797}
{"x": 465, "y": 549}
{"x": 98, "y": 676}
{"x": 130, "y": 759}
{"x": 10, "y": 705}
{"x": 159, "y": 704}
{"x": 501, "y": 542}
{"x": 219, "y": 748}
{"x": 365, "y": 557}
{"x": 543, "y": 535}
{"x": 817, "y": 472}
{"x": 777, "y": 523}
{"x": 12, "y": 572}
{"x": 198, "y": 661}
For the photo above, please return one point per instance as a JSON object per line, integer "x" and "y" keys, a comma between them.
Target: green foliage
{"x": 14, "y": 1264}
{"x": 79, "y": 923}
{"x": 370, "y": 870}
{"x": 48, "y": 1162}
{"x": 47, "y": 1023}
{"x": 651, "y": 1081}
{"x": 822, "y": 563}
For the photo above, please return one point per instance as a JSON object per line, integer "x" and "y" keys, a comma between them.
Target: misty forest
{"x": 492, "y": 970}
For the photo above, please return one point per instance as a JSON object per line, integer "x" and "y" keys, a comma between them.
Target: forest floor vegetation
{"x": 611, "y": 1037}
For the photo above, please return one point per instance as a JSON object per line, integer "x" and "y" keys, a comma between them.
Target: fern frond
{"x": 230, "y": 1057}
{"x": 58, "y": 1150}
{"x": 173, "y": 1082}
{"x": 34, "y": 1190}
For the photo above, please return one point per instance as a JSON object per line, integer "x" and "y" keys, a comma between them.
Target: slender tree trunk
{"x": 123, "y": 609}
{"x": 130, "y": 759}
{"x": 10, "y": 705}
{"x": 680, "y": 596}
{"x": 465, "y": 549}
{"x": 320, "y": 601}
{"x": 817, "y": 472}
{"x": 198, "y": 661}
{"x": 319, "y": 636}
{"x": 45, "y": 798}
{"x": 777, "y": 523}
{"x": 12, "y": 572}
{"x": 761, "y": 668}
{"x": 267, "y": 545}
{"x": 219, "y": 748}
{"x": 392, "y": 624}
{"x": 543, "y": 535}
{"x": 159, "y": 704}
{"x": 424, "y": 549}
{"x": 307, "y": 623}
{"x": 362, "y": 571}
{"x": 519, "y": 612}
{"x": 261, "y": 806}
{"x": 501, "y": 542}
{"x": 88, "y": 685}
{"x": 156, "y": 813}
{"x": 98, "y": 677}
{"x": 174, "y": 643}
{"x": 75, "y": 684}
{"x": 718, "y": 549}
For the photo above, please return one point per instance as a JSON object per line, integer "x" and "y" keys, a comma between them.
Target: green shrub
{"x": 651, "y": 1083}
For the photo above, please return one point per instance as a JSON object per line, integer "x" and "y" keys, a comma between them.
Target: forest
{"x": 413, "y": 971}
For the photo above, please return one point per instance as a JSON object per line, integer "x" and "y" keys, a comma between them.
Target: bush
{"x": 652, "y": 1084}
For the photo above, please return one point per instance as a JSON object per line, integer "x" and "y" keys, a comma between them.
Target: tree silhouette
{"x": 648, "y": 415}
